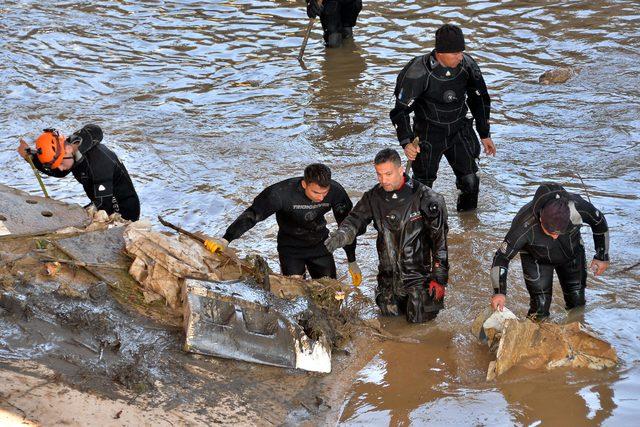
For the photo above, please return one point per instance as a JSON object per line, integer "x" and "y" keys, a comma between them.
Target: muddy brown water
{"x": 206, "y": 104}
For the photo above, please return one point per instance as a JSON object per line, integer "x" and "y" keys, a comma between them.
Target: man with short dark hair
{"x": 440, "y": 88}
{"x": 338, "y": 18}
{"x": 299, "y": 205}
{"x": 411, "y": 220}
{"x": 546, "y": 233}
{"x": 104, "y": 178}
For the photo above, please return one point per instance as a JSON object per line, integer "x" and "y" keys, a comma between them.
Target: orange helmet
{"x": 50, "y": 148}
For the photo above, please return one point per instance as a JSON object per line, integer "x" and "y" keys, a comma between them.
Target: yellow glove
{"x": 356, "y": 274}
{"x": 216, "y": 245}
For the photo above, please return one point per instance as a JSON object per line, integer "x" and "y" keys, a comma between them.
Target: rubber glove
{"x": 216, "y": 244}
{"x": 356, "y": 274}
{"x": 336, "y": 239}
{"x": 436, "y": 290}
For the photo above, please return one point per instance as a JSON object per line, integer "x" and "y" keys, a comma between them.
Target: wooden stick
{"x": 35, "y": 172}
{"x": 416, "y": 143}
{"x": 307, "y": 34}
{"x": 82, "y": 263}
{"x": 180, "y": 230}
{"x": 306, "y": 38}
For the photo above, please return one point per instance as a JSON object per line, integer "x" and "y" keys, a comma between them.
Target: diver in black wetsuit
{"x": 338, "y": 18}
{"x": 411, "y": 220}
{"x": 300, "y": 205}
{"x": 439, "y": 88}
{"x": 546, "y": 232}
{"x": 103, "y": 176}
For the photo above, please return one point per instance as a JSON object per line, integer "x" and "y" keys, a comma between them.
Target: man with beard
{"x": 411, "y": 220}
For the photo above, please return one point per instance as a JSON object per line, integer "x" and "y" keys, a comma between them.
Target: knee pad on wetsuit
{"x": 574, "y": 299}
{"x": 333, "y": 39}
{"x": 420, "y": 307}
{"x": 469, "y": 186}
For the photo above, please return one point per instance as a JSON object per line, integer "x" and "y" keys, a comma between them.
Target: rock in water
{"x": 541, "y": 345}
{"x": 557, "y": 75}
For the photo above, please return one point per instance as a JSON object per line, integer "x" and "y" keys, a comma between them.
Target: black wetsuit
{"x": 104, "y": 178}
{"x": 541, "y": 254}
{"x": 338, "y": 17}
{"x": 302, "y": 227}
{"x": 412, "y": 246}
{"x": 440, "y": 97}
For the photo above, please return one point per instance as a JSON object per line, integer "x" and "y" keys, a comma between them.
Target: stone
{"x": 556, "y": 76}
{"x": 543, "y": 345}
{"x": 22, "y": 214}
{"x": 98, "y": 292}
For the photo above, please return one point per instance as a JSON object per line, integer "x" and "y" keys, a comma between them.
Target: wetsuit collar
{"x": 404, "y": 181}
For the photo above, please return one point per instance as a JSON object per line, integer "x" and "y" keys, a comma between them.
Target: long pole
{"x": 180, "y": 230}
{"x": 307, "y": 34}
{"x": 306, "y": 38}
{"x": 35, "y": 172}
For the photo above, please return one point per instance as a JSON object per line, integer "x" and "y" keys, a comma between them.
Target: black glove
{"x": 337, "y": 239}
{"x": 313, "y": 8}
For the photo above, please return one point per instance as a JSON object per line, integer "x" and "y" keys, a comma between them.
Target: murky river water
{"x": 206, "y": 105}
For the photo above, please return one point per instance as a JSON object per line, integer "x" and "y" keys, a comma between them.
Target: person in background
{"x": 338, "y": 18}
{"x": 439, "y": 88}
{"x": 104, "y": 178}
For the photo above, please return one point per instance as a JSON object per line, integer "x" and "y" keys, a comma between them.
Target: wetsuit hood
{"x": 545, "y": 193}
{"x": 88, "y": 137}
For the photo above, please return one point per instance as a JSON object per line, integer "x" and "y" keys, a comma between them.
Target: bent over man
{"x": 338, "y": 18}
{"x": 300, "y": 205}
{"x": 439, "y": 88}
{"x": 104, "y": 178}
{"x": 546, "y": 233}
{"x": 411, "y": 220}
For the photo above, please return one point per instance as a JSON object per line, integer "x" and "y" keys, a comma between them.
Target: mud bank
{"x": 69, "y": 349}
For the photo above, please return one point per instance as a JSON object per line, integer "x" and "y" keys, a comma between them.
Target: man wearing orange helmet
{"x": 104, "y": 178}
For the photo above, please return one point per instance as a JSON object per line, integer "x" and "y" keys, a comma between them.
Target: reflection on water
{"x": 206, "y": 104}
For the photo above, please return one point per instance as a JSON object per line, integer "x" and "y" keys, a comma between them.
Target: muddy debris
{"x": 95, "y": 326}
{"x": 135, "y": 374}
{"x": 543, "y": 345}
